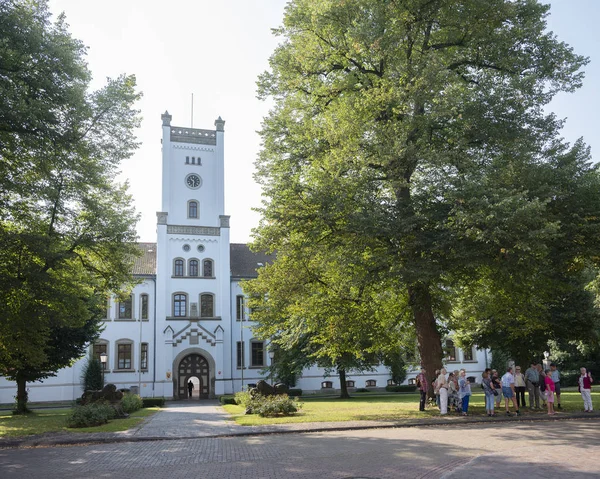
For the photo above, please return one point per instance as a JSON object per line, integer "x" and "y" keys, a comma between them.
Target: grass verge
{"x": 390, "y": 407}
{"x": 42, "y": 421}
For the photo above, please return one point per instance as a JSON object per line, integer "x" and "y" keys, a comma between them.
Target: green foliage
{"x": 295, "y": 392}
{"x": 362, "y": 390}
{"x": 132, "y": 403}
{"x": 91, "y": 375}
{"x": 227, "y": 400}
{"x": 243, "y": 398}
{"x": 153, "y": 402}
{"x": 67, "y": 229}
{"x": 272, "y": 406}
{"x": 401, "y": 389}
{"x": 90, "y": 415}
{"x": 500, "y": 360}
{"x": 414, "y": 180}
{"x": 397, "y": 365}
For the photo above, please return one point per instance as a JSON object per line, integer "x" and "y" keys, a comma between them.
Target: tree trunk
{"x": 428, "y": 337}
{"x": 343, "y": 387}
{"x": 21, "y": 406}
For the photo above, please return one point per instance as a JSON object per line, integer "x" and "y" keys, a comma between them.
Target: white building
{"x": 187, "y": 319}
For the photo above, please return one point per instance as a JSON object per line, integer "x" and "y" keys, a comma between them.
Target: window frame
{"x": 193, "y": 267}
{"x": 202, "y": 312}
{"x": 144, "y": 356}
{"x": 175, "y": 310}
{"x": 196, "y": 204}
{"x": 240, "y": 307}
{"x": 255, "y": 344}
{"x": 205, "y": 262}
{"x": 447, "y": 357}
{"x": 131, "y": 303}
{"x": 371, "y": 383}
{"x": 177, "y": 263}
{"x": 473, "y": 358}
{"x": 144, "y": 306}
{"x": 118, "y": 344}
{"x": 106, "y": 344}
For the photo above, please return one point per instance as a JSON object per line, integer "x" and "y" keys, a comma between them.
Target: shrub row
{"x": 131, "y": 403}
{"x": 295, "y": 392}
{"x": 153, "y": 402}
{"x": 267, "y": 406}
{"x": 227, "y": 400}
{"x": 90, "y": 415}
{"x": 401, "y": 389}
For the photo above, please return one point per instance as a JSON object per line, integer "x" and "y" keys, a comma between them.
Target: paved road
{"x": 568, "y": 448}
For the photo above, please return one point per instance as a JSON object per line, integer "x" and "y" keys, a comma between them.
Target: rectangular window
{"x": 98, "y": 350}
{"x": 124, "y": 356}
{"x": 144, "y": 306}
{"x": 192, "y": 209}
{"x": 144, "y": 357}
{"x": 180, "y": 305}
{"x": 239, "y": 307}
{"x": 124, "y": 308}
{"x": 258, "y": 354}
{"x": 240, "y": 355}
{"x": 207, "y": 306}
{"x": 468, "y": 354}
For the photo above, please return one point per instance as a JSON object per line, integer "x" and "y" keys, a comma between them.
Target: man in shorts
{"x": 555, "y": 375}
{"x": 508, "y": 391}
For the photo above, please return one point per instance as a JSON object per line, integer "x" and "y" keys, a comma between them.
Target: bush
{"x": 270, "y": 406}
{"x": 131, "y": 403}
{"x": 90, "y": 415}
{"x": 362, "y": 390}
{"x": 227, "y": 400}
{"x": 401, "y": 389}
{"x": 243, "y": 398}
{"x": 153, "y": 402}
{"x": 295, "y": 392}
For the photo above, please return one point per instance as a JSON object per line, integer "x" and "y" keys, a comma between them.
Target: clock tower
{"x": 193, "y": 261}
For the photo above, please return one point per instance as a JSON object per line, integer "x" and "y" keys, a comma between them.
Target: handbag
{"x": 495, "y": 391}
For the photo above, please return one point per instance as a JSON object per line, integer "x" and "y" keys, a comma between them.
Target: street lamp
{"x": 103, "y": 358}
{"x": 271, "y": 356}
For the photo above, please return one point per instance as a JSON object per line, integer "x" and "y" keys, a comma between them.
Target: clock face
{"x": 193, "y": 181}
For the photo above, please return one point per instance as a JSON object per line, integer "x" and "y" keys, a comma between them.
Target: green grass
{"x": 53, "y": 420}
{"x": 389, "y": 407}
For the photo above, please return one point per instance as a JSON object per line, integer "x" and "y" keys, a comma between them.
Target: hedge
{"x": 401, "y": 389}
{"x": 153, "y": 402}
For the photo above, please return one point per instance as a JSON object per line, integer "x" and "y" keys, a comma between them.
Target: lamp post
{"x": 271, "y": 356}
{"x": 103, "y": 358}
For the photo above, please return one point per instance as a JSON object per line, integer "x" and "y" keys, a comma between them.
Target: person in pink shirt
{"x": 550, "y": 388}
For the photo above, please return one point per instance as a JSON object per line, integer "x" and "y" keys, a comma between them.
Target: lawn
{"x": 53, "y": 420}
{"x": 388, "y": 407}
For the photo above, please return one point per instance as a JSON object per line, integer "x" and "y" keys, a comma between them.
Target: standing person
{"x": 422, "y": 386}
{"x": 453, "y": 401}
{"x": 442, "y": 383}
{"x": 488, "y": 390}
{"x": 542, "y": 385}
{"x": 555, "y": 375}
{"x": 520, "y": 387}
{"x": 532, "y": 378}
{"x": 436, "y": 388}
{"x": 497, "y": 386}
{"x": 508, "y": 390}
{"x": 190, "y": 388}
{"x": 464, "y": 391}
{"x": 549, "y": 392}
{"x": 585, "y": 388}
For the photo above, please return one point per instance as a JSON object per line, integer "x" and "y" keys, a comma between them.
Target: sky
{"x": 215, "y": 50}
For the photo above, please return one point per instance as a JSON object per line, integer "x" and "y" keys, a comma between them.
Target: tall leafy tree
{"x": 66, "y": 228}
{"x": 412, "y": 137}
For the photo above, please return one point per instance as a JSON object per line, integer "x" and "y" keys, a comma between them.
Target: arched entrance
{"x": 193, "y": 366}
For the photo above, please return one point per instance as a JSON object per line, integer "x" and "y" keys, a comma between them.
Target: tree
{"x": 66, "y": 227}
{"x": 409, "y": 135}
{"x": 91, "y": 375}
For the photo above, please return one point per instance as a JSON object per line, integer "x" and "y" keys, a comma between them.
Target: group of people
{"x": 453, "y": 391}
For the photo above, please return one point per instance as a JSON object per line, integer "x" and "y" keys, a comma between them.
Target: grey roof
{"x": 146, "y": 264}
{"x": 245, "y": 262}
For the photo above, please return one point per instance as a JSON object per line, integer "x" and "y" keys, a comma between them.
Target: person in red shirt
{"x": 550, "y": 388}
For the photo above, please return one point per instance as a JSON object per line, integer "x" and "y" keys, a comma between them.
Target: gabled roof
{"x": 244, "y": 262}
{"x": 146, "y": 264}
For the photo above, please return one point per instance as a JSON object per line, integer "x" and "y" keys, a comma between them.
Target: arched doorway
{"x": 191, "y": 367}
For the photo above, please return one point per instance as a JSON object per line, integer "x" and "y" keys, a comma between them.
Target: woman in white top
{"x": 442, "y": 384}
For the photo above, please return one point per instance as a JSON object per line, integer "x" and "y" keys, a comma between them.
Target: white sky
{"x": 215, "y": 50}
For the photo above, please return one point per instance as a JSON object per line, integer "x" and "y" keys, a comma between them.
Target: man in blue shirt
{"x": 532, "y": 377}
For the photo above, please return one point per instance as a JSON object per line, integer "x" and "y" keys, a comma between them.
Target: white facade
{"x": 186, "y": 319}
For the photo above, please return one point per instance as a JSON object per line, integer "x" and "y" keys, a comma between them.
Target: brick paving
{"x": 490, "y": 450}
